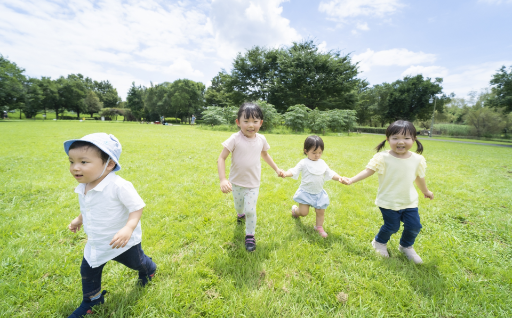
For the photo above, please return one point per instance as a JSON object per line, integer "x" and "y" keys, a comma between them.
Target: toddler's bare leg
{"x": 320, "y": 217}
{"x": 303, "y": 209}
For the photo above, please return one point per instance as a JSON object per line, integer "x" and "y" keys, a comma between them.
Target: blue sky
{"x": 464, "y": 42}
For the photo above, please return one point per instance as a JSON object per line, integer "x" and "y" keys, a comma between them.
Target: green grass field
{"x": 189, "y": 228}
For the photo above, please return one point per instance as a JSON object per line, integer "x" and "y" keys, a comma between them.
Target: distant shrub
{"x": 297, "y": 117}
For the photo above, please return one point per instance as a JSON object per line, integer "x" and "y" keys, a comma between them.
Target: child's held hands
{"x": 225, "y": 186}
{"x": 281, "y": 173}
{"x": 122, "y": 237}
{"x": 429, "y": 195}
{"x": 346, "y": 181}
{"x": 75, "y": 225}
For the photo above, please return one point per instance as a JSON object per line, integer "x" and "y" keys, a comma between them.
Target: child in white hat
{"x": 110, "y": 210}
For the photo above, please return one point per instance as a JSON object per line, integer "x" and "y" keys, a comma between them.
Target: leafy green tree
{"x": 106, "y": 93}
{"x": 299, "y": 74}
{"x": 187, "y": 97}
{"x": 307, "y": 76}
{"x": 50, "y": 95}
{"x": 318, "y": 121}
{"x": 32, "y": 99}
{"x": 72, "y": 92}
{"x": 253, "y": 75}
{"x": 350, "y": 118}
{"x": 502, "y": 87}
{"x": 336, "y": 120}
{"x": 297, "y": 117}
{"x": 111, "y": 113}
{"x": 484, "y": 121}
{"x": 409, "y": 99}
{"x": 213, "y": 115}
{"x": 12, "y": 81}
{"x": 135, "y": 101}
{"x": 92, "y": 103}
{"x": 271, "y": 117}
{"x": 217, "y": 94}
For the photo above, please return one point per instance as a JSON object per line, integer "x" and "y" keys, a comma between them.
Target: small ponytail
{"x": 382, "y": 145}
{"x": 419, "y": 150}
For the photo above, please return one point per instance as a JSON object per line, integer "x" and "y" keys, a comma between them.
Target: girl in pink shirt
{"x": 246, "y": 147}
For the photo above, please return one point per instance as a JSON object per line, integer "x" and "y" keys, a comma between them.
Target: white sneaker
{"x": 410, "y": 253}
{"x": 382, "y": 249}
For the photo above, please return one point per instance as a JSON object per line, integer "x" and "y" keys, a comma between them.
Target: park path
{"x": 458, "y": 141}
{"x": 468, "y": 142}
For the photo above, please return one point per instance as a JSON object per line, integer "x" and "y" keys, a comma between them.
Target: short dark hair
{"x": 85, "y": 144}
{"x": 401, "y": 127}
{"x": 248, "y": 110}
{"x": 313, "y": 142}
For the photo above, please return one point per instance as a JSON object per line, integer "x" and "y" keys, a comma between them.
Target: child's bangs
{"x": 250, "y": 110}
{"x": 401, "y": 127}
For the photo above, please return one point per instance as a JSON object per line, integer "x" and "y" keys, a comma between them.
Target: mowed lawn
{"x": 190, "y": 231}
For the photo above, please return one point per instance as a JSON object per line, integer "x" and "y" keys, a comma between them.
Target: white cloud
{"x": 103, "y": 40}
{"x": 125, "y": 41}
{"x": 469, "y": 78}
{"x": 462, "y": 80}
{"x": 363, "y": 26}
{"x": 495, "y": 1}
{"x": 342, "y": 9}
{"x": 183, "y": 69}
{"x": 322, "y": 47}
{"x": 398, "y": 57}
{"x": 239, "y": 25}
{"x": 426, "y": 71}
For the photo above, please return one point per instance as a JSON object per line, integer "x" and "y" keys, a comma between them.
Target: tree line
{"x": 284, "y": 78}
{"x": 31, "y": 96}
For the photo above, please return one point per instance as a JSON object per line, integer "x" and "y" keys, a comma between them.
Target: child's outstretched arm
{"x": 271, "y": 163}
{"x": 360, "y": 176}
{"x": 76, "y": 224}
{"x": 420, "y": 182}
{"x": 225, "y": 185}
{"x": 337, "y": 178}
{"x": 123, "y": 236}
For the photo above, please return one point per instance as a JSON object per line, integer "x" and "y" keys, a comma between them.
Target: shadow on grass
{"x": 333, "y": 239}
{"x": 244, "y": 268}
{"x": 117, "y": 304}
{"x": 423, "y": 278}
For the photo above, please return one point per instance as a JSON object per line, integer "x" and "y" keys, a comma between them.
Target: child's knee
{"x": 391, "y": 228}
{"x": 413, "y": 231}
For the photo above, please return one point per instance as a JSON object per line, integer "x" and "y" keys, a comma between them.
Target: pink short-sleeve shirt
{"x": 245, "y": 159}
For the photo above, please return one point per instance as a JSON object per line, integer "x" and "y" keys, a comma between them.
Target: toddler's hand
{"x": 429, "y": 195}
{"x": 121, "y": 238}
{"x": 346, "y": 181}
{"x": 281, "y": 173}
{"x": 225, "y": 186}
{"x": 75, "y": 225}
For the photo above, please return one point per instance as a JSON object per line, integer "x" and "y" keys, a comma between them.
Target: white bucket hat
{"x": 107, "y": 143}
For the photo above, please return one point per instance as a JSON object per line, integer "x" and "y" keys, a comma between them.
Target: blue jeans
{"x": 412, "y": 226}
{"x": 133, "y": 258}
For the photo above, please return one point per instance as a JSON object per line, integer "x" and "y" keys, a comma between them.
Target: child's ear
{"x": 237, "y": 123}
{"x": 111, "y": 165}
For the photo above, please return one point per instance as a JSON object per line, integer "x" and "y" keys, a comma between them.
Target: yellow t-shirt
{"x": 396, "y": 178}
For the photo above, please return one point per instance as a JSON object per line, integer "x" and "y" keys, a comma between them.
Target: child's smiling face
{"x": 249, "y": 126}
{"x": 314, "y": 154}
{"x": 86, "y": 165}
{"x": 401, "y": 143}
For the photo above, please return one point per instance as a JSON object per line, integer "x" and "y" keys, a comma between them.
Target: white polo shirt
{"x": 105, "y": 210}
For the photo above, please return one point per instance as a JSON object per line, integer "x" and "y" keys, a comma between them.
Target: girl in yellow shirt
{"x": 397, "y": 198}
